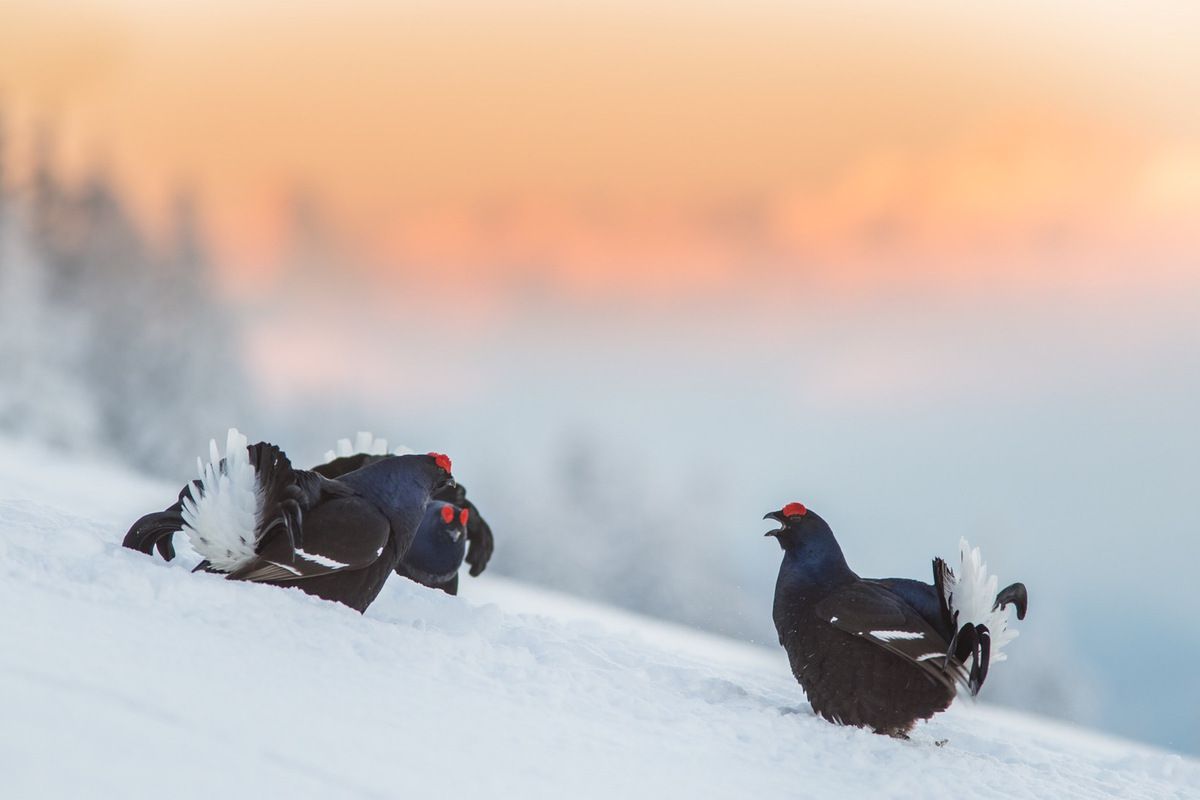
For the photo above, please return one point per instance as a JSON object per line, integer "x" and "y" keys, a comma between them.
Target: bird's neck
{"x": 814, "y": 562}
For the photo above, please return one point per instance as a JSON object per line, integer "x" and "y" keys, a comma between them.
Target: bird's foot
{"x": 895, "y": 733}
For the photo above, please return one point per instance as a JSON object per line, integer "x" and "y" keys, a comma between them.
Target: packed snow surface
{"x": 124, "y": 676}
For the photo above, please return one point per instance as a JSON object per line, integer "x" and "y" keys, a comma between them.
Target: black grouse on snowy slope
{"x": 436, "y": 551}
{"x": 252, "y": 517}
{"x": 883, "y": 653}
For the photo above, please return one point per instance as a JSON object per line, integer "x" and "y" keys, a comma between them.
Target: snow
{"x": 124, "y": 676}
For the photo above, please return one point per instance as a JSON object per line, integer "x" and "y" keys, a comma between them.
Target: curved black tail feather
{"x": 155, "y": 530}
{"x": 972, "y": 644}
{"x": 1016, "y": 595}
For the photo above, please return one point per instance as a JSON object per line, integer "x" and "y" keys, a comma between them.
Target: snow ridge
{"x": 971, "y": 592}
{"x": 221, "y": 517}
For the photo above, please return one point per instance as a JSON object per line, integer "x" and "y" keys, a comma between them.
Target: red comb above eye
{"x": 447, "y": 514}
{"x": 794, "y": 510}
{"x": 441, "y": 460}
{"x": 463, "y": 516}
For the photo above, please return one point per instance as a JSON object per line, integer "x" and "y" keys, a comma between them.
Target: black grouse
{"x": 252, "y": 517}
{"x": 366, "y": 449}
{"x": 883, "y": 653}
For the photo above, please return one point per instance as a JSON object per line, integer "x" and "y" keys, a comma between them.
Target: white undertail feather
{"x": 364, "y": 442}
{"x": 221, "y": 518}
{"x": 972, "y": 593}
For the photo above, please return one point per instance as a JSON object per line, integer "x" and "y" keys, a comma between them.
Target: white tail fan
{"x": 972, "y": 593}
{"x": 364, "y": 442}
{"x": 221, "y": 518}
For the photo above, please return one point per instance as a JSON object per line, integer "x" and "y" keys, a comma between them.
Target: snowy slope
{"x": 124, "y": 676}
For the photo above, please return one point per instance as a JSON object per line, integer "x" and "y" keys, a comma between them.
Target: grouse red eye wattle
{"x": 447, "y": 514}
{"x": 794, "y": 510}
{"x": 442, "y": 460}
{"x": 463, "y": 516}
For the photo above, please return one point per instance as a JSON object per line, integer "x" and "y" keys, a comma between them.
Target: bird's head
{"x": 795, "y": 522}
{"x": 441, "y": 542}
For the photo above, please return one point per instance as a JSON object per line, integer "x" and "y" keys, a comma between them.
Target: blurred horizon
{"x": 648, "y": 271}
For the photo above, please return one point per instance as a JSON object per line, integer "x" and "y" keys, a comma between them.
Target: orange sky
{"x": 656, "y": 142}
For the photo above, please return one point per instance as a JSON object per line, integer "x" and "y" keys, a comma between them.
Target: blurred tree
{"x": 144, "y": 348}
{"x": 42, "y": 393}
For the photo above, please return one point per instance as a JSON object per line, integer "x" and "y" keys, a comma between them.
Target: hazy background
{"x": 647, "y": 271}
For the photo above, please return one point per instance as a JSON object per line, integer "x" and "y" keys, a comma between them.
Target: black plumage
{"x": 880, "y": 653}
{"x": 336, "y": 539}
{"x": 480, "y": 541}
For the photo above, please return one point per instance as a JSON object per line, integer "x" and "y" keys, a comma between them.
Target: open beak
{"x": 778, "y": 517}
{"x": 455, "y": 535}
